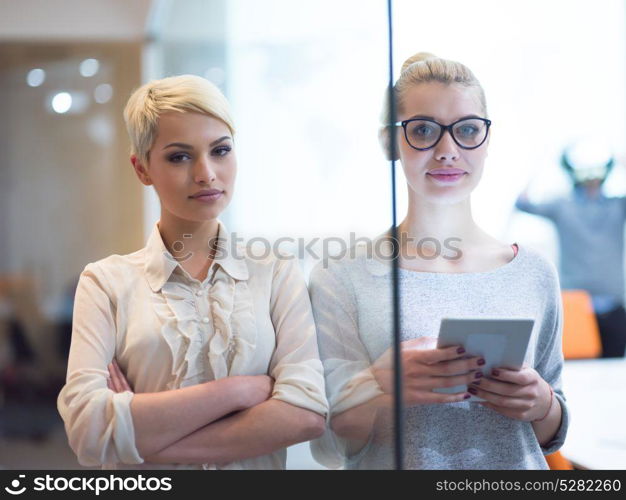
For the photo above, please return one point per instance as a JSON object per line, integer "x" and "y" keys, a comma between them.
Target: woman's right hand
{"x": 425, "y": 369}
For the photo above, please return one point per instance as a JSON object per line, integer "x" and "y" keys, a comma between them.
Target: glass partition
{"x": 312, "y": 192}
{"x": 308, "y": 91}
{"x": 527, "y": 225}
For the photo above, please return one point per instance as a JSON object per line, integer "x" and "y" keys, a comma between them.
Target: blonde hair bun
{"x": 415, "y": 58}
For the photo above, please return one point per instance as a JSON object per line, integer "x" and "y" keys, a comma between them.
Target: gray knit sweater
{"x": 351, "y": 300}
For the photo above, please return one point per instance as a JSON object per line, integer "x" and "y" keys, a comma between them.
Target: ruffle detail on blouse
{"x": 175, "y": 306}
{"x": 231, "y": 344}
{"x": 235, "y": 335}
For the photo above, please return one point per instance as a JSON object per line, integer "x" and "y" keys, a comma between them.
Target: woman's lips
{"x": 446, "y": 175}
{"x": 209, "y": 196}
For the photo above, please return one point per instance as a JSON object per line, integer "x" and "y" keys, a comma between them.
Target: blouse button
{"x": 205, "y": 320}
{"x": 199, "y": 293}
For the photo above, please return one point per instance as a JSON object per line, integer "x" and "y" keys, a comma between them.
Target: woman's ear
{"x": 141, "y": 171}
{"x": 385, "y": 142}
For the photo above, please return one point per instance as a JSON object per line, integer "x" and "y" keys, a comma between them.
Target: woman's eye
{"x": 178, "y": 157}
{"x": 467, "y": 130}
{"x": 422, "y": 130}
{"x": 222, "y": 150}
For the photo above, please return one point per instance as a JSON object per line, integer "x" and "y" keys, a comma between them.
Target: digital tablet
{"x": 501, "y": 342}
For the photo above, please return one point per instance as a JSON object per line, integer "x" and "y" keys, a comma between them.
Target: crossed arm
{"x": 228, "y": 419}
{"x": 215, "y": 422}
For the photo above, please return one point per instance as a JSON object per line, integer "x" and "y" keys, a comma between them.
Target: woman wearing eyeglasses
{"x": 190, "y": 353}
{"x": 449, "y": 267}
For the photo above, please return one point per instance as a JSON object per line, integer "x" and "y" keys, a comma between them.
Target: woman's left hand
{"x": 519, "y": 394}
{"x": 117, "y": 381}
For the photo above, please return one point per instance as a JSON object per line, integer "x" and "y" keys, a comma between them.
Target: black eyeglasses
{"x": 423, "y": 134}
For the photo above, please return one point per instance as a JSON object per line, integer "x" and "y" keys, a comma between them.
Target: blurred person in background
{"x": 590, "y": 228}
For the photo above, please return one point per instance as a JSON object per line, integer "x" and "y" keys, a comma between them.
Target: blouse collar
{"x": 160, "y": 263}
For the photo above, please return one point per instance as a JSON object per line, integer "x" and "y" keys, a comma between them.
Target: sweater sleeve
{"x": 349, "y": 381}
{"x": 97, "y": 420}
{"x": 550, "y": 363}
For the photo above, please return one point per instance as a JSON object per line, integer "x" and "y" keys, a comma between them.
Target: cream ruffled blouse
{"x": 167, "y": 330}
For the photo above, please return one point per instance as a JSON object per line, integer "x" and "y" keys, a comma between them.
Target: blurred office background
{"x": 306, "y": 81}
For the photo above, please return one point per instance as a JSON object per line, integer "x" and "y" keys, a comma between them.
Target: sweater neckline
{"x": 521, "y": 251}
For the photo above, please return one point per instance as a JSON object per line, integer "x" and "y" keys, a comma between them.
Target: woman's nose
{"x": 446, "y": 148}
{"x": 204, "y": 171}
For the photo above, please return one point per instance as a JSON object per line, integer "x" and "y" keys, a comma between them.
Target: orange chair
{"x": 581, "y": 336}
{"x": 581, "y": 339}
{"x": 556, "y": 461}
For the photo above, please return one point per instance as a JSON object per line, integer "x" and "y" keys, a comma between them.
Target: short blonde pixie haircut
{"x": 183, "y": 93}
{"x": 425, "y": 67}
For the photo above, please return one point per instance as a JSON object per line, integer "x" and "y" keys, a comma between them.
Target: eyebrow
{"x": 189, "y": 146}
{"x": 426, "y": 117}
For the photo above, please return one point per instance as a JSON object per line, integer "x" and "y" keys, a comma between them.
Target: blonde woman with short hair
{"x": 449, "y": 267}
{"x": 190, "y": 353}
